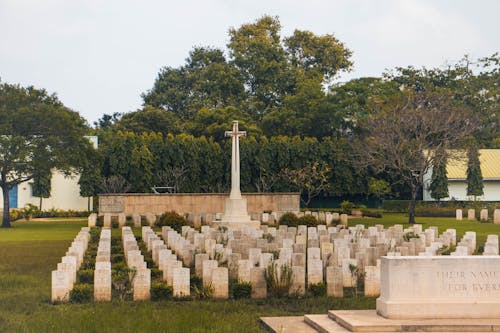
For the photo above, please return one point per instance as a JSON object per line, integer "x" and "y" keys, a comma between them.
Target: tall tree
{"x": 439, "y": 180}
{"x": 404, "y": 136}
{"x": 42, "y": 185}
{"x": 474, "y": 176}
{"x": 38, "y": 133}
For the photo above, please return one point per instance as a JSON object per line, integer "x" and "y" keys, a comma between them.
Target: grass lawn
{"x": 29, "y": 251}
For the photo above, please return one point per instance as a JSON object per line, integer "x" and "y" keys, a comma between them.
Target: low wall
{"x": 440, "y": 287}
{"x": 197, "y": 203}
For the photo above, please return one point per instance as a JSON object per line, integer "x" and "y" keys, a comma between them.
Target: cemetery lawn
{"x": 29, "y": 251}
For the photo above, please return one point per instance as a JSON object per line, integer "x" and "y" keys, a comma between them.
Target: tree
{"x": 378, "y": 187}
{"x": 310, "y": 180}
{"x": 409, "y": 133}
{"x": 37, "y": 133}
{"x": 474, "y": 175}
{"x": 439, "y": 180}
{"x": 41, "y": 185}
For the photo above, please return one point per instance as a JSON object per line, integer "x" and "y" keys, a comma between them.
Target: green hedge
{"x": 401, "y": 206}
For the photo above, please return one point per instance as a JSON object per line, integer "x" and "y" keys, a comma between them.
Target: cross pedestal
{"x": 235, "y": 207}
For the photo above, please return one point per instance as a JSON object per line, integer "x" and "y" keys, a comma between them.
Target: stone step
{"x": 323, "y": 324}
{"x": 293, "y": 324}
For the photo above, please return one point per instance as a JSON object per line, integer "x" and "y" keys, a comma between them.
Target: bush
{"x": 173, "y": 220}
{"x": 15, "y": 215}
{"x": 88, "y": 263}
{"x": 395, "y": 206}
{"x": 116, "y": 258}
{"x": 114, "y": 224}
{"x": 81, "y": 293}
{"x": 371, "y": 212}
{"x": 279, "y": 282}
{"x": 156, "y": 274}
{"x": 195, "y": 281}
{"x": 317, "y": 289}
{"x": 161, "y": 292}
{"x": 289, "y": 219}
{"x": 241, "y": 290}
{"x": 346, "y": 207}
{"x": 435, "y": 211}
{"x": 100, "y": 221}
{"x": 308, "y": 220}
{"x": 30, "y": 211}
{"x": 120, "y": 267}
{"x": 85, "y": 276}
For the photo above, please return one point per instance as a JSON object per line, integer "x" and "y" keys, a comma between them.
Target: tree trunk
{"x": 411, "y": 210}
{"x": 6, "y": 208}
{"x": 41, "y": 203}
{"x": 88, "y": 204}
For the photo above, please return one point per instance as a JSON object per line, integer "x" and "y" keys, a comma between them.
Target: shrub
{"x": 15, "y": 215}
{"x": 149, "y": 262}
{"x": 30, "y": 211}
{"x": 119, "y": 267}
{"x": 279, "y": 282}
{"x": 204, "y": 292}
{"x": 116, "y": 249}
{"x": 122, "y": 282}
{"x": 85, "y": 276}
{"x": 409, "y": 235}
{"x": 88, "y": 263}
{"x": 346, "y": 207}
{"x": 173, "y": 220}
{"x": 395, "y": 206}
{"x": 241, "y": 290}
{"x": 371, "y": 212}
{"x": 195, "y": 281}
{"x": 81, "y": 293}
{"x": 114, "y": 224}
{"x": 156, "y": 274}
{"x": 116, "y": 258}
{"x": 435, "y": 211}
{"x": 308, "y": 220}
{"x": 94, "y": 235}
{"x": 100, "y": 221}
{"x": 317, "y": 289}
{"x": 160, "y": 291}
{"x": 289, "y": 219}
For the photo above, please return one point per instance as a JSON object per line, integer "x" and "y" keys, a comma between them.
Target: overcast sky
{"x": 99, "y": 56}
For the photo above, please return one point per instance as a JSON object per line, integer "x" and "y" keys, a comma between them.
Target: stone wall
{"x": 196, "y": 203}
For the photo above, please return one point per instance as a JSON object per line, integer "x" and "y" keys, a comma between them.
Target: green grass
{"x": 29, "y": 251}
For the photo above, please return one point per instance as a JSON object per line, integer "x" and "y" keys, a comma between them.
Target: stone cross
{"x": 235, "y": 160}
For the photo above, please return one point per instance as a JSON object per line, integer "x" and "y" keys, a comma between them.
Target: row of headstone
{"x": 483, "y": 215}
{"x": 121, "y": 219}
{"x": 135, "y": 261}
{"x": 64, "y": 277}
{"x": 491, "y": 246}
{"x": 102, "y": 272}
{"x": 174, "y": 274}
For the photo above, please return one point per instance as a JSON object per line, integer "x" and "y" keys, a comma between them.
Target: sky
{"x": 98, "y": 56}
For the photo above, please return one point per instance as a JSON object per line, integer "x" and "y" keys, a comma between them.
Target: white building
{"x": 64, "y": 195}
{"x": 456, "y": 171}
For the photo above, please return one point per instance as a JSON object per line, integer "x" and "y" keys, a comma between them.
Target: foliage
{"x": 317, "y": 289}
{"x": 160, "y": 291}
{"x": 38, "y": 133}
{"x": 424, "y": 124}
{"x": 346, "y": 207}
{"x": 395, "y": 206}
{"x": 241, "y": 290}
{"x": 289, "y": 219}
{"x": 122, "y": 281}
{"x": 357, "y": 278}
{"x": 81, "y": 293}
{"x": 205, "y": 291}
{"x": 29, "y": 211}
{"x": 114, "y": 184}
{"x": 378, "y": 187}
{"x": 439, "y": 181}
{"x": 116, "y": 258}
{"x": 409, "y": 235}
{"x": 41, "y": 186}
{"x": 308, "y": 220}
{"x": 435, "y": 211}
{"x": 376, "y": 213}
{"x": 173, "y": 220}
{"x": 85, "y": 276}
{"x": 474, "y": 176}
{"x": 279, "y": 279}
{"x": 310, "y": 180}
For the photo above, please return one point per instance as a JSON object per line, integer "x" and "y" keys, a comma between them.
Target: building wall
{"x": 65, "y": 194}
{"x": 193, "y": 203}
{"x": 458, "y": 191}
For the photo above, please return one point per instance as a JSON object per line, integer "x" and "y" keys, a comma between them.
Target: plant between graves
{"x": 156, "y": 274}
{"x": 445, "y": 250}
{"x": 346, "y": 207}
{"x": 205, "y": 291}
{"x": 409, "y": 235}
{"x": 317, "y": 289}
{"x": 357, "y": 278}
{"x": 289, "y": 219}
{"x": 81, "y": 293}
{"x": 241, "y": 290}
{"x": 173, "y": 220}
{"x": 161, "y": 292}
{"x": 123, "y": 282}
{"x": 268, "y": 237}
{"x": 308, "y": 220}
{"x": 86, "y": 276}
{"x": 279, "y": 280}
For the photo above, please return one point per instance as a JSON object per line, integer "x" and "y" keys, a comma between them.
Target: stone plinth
{"x": 440, "y": 287}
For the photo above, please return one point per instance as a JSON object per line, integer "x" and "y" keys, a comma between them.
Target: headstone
{"x": 107, "y": 220}
{"x": 232, "y": 265}
{"x": 102, "y": 284}
{"x": 122, "y": 219}
{"x": 142, "y": 285}
{"x": 334, "y": 285}
{"x": 471, "y": 214}
{"x": 372, "y": 281}
{"x": 220, "y": 282}
{"x": 483, "y": 215}
{"x": 92, "y": 220}
{"x": 136, "y": 219}
{"x": 343, "y": 219}
{"x": 180, "y": 282}
{"x": 60, "y": 286}
{"x": 298, "y": 287}
{"x": 244, "y": 267}
{"x": 208, "y": 268}
{"x": 199, "y": 258}
{"x": 258, "y": 281}
{"x": 314, "y": 271}
{"x": 458, "y": 214}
